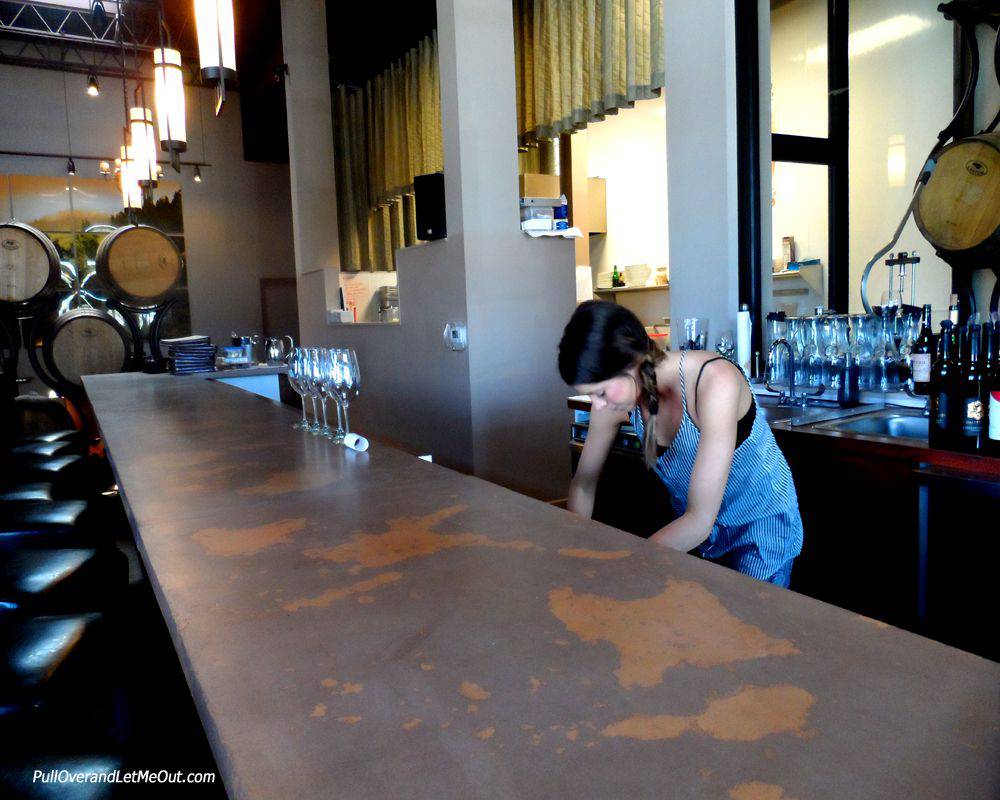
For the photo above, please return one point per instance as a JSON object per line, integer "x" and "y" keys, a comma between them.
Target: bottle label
{"x": 994, "y": 433}
{"x": 920, "y": 364}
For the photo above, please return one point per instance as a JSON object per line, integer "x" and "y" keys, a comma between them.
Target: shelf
{"x": 632, "y": 289}
{"x": 795, "y": 273}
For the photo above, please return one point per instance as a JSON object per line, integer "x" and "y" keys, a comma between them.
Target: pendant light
{"x": 197, "y": 174}
{"x": 93, "y": 87}
{"x": 216, "y": 38}
{"x": 128, "y": 182}
{"x": 142, "y": 143}
{"x": 169, "y": 83}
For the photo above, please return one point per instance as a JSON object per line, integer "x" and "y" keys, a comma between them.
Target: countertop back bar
{"x": 372, "y": 625}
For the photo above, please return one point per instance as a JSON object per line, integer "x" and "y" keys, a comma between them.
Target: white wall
{"x": 237, "y": 222}
{"x": 627, "y": 149}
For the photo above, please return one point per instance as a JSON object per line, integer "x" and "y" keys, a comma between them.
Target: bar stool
{"x": 39, "y": 524}
{"x": 64, "y": 581}
{"x": 27, "y": 491}
{"x": 71, "y": 476}
{"x": 58, "y": 677}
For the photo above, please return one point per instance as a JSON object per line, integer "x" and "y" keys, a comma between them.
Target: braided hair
{"x": 602, "y": 340}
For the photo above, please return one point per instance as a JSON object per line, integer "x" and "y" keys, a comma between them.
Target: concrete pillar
{"x": 700, "y": 48}
{"x": 310, "y": 137}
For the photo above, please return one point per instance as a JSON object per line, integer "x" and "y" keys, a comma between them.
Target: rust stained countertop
{"x": 371, "y": 625}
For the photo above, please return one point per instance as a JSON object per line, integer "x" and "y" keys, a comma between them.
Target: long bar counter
{"x": 372, "y": 625}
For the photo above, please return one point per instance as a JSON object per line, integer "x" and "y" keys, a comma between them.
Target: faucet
{"x": 790, "y": 398}
{"x": 782, "y": 398}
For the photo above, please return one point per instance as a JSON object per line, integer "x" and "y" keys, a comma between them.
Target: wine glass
{"x": 324, "y": 385}
{"x": 297, "y": 380}
{"x": 347, "y": 381}
{"x": 312, "y": 384}
{"x": 338, "y": 434}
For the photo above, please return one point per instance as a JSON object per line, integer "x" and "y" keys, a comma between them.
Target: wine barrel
{"x": 139, "y": 265}
{"x": 29, "y": 265}
{"x": 958, "y": 210}
{"x": 85, "y": 341}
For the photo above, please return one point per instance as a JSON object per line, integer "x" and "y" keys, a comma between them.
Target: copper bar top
{"x": 372, "y": 625}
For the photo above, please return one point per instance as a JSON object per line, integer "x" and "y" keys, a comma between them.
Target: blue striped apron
{"x": 758, "y": 530}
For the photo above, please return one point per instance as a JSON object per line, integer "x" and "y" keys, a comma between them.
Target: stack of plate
{"x": 604, "y": 280}
{"x": 194, "y": 354}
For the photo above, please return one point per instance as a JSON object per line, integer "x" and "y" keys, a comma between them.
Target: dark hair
{"x": 602, "y": 340}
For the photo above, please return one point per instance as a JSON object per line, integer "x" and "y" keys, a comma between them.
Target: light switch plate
{"x": 455, "y": 336}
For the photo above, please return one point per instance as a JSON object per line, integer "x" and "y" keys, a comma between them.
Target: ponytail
{"x": 647, "y": 374}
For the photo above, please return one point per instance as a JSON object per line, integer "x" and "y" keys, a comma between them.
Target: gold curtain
{"x": 579, "y": 60}
{"x": 385, "y": 134}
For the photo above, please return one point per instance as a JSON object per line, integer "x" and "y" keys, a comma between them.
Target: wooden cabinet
{"x": 597, "y": 205}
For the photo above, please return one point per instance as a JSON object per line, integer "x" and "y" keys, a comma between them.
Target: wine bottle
{"x": 953, "y": 310}
{"x": 968, "y": 392}
{"x": 991, "y": 392}
{"x": 941, "y": 413}
{"x": 922, "y": 356}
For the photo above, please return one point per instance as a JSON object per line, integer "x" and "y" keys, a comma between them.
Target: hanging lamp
{"x": 128, "y": 182}
{"x": 142, "y": 143}
{"x": 169, "y": 98}
{"x": 216, "y": 44}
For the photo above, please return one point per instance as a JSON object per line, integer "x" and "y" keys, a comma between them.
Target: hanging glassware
{"x": 142, "y": 142}
{"x": 168, "y": 80}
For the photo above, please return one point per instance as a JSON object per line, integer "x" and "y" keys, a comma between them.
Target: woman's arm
{"x": 718, "y": 404}
{"x": 600, "y": 436}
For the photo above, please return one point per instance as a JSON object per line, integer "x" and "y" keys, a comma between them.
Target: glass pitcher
{"x": 275, "y": 351}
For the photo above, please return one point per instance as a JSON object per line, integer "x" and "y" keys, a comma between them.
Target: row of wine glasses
{"x": 319, "y": 373}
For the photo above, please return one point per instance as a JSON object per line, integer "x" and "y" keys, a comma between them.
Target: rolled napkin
{"x": 356, "y": 442}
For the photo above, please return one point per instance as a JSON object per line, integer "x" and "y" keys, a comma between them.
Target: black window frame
{"x": 831, "y": 151}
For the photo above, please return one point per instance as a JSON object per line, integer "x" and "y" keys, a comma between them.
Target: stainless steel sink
{"x": 773, "y": 413}
{"x": 884, "y": 423}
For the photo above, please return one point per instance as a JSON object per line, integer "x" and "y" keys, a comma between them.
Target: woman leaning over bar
{"x": 701, "y": 434}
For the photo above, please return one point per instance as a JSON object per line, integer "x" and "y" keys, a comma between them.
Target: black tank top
{"x": 745, "y": 424}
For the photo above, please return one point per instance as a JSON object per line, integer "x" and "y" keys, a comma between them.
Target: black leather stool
{"x": 27, "y": 491}
{"x": 35, "y": 582}
{"x": 71, "y": 476}
{"x": 58, "y": 678}
{"x": 60, "y": 447}
{"x": 38, "y": 524}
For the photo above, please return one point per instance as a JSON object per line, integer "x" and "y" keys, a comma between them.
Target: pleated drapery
{"x": 579, "y": 60}
{"x": 385, "y": 134}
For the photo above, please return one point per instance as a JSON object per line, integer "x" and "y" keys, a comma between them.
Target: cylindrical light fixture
{"x": 216, "y": 38}
{"x": 93, "y": 87}
{"x": 169, "y": 82}
{"x": 71, "y": 166}
{"x": 131, "y": 191}
{"x": 197, "y": 174}
{"x": 142, "y": 141}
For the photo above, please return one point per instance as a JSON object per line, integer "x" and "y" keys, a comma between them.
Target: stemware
{"x": 347, "y": 381}
{"x": 312, "y": 384}
{"x": 297, "y": 380}
{"x": 336, "y": 434}
{"x": 323, "y": 380}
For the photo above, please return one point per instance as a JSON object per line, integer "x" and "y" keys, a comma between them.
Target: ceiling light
{"x": 142, "y": 139}
{"x": 70, "y": 166}
{"x": 216, "y": 38}
{"x": 93, "y": 87}
{"x": 131, "y": 191}
{"x": 197, "y": 174}
{"x": 170, "y": 116}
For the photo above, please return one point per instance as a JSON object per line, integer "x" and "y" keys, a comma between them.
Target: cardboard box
{"x": 533, "y": 184}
